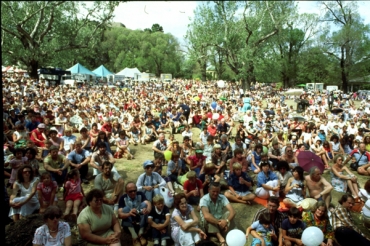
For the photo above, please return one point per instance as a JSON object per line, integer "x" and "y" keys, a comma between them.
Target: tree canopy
{"x": 37, "y": 33}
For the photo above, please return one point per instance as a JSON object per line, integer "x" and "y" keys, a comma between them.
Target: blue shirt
{"x": 262, "y": 179}
{"x": 126, "y": 201}
{"x": 32, "y": 125}
{"x": 234, "y": 182}
{"x": 78, "y": 158}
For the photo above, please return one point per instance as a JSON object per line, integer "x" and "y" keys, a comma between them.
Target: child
{"x": 17, "y": 162}
{"x": 158, "y": 160}
{"x": 159, "y": 219}
{"x": 44, "y": 151}
{"x": 73, "y": 194}
{"x": 264, "y": 229}
{"x": 293, "y": 228}
{"x": 122, "y": 149}
{"x": 46, "y": 190}
{"x": 32, "y": 161}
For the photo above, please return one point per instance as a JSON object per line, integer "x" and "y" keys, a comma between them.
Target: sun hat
{"x": 42, "y": 125}
{"x": 216, "y": 146}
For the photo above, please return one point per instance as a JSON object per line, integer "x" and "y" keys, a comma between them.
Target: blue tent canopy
{"x": 102, "y": 71}
{"x": 78, "y": 68}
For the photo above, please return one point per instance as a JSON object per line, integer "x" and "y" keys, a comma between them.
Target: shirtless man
{"x": 289, "y": 157}
{"x": 317, "y": 186}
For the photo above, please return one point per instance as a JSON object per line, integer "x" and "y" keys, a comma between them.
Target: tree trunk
{"x": 343, "y": 71}
{"x": 203, "y": 70}
{"x": 32, "y": 68}
{"x": 246, "y": 83}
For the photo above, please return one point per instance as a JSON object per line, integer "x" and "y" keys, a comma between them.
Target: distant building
{"x": 358, "y": 83}
{"x": 212, "y": 71}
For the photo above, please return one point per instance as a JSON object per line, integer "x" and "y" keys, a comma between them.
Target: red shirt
{"x": 197, "y": 119}
{"x": 192, "y": 186}
{"x": 212, "y": 130}
{"x": 106, "y": 127}
{"x": 194, "y": 160}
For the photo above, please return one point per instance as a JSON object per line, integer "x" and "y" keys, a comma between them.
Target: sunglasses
{"x": 51, "y": 217}
{"x": 132, "y": 191}
{"x": 147, "y": 167}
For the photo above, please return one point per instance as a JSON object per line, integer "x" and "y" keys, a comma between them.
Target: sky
{"x": 174, "y": 16}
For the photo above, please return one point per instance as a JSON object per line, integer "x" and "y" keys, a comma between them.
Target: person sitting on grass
{"x": 134, "y": 208}
{"x": 293, "y": 228}
{"x": 264, "y": 231}
{"x": 73, "y": 195}
{"x": 193, "y": 188}
{"x": 122, "y": 149}
{"x": 295, "y": 190}
{"x": 216, "y": 213}
{"x": 239, "y": 186}
{"x": 46, "y": 190}
{"x": 174, "y": 170}
{"x": 159, "y": 219}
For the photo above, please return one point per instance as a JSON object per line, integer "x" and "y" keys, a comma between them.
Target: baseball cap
{"x": 148, "y": 163}
{"x": 41, "y": 125}
{"x": 199, "y": 151}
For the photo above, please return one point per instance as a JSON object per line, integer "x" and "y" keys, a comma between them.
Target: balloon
{"x": 265, "y": 150}
{"x": 312, "y": 236}
{"x": 167, "y": 155}
{"x": 214, "y": 105}
{"x": 196, "y": 98}
{"x": 221, "y": 83}
{"x": 215, "y": 116}
{"x": 235, "y": 238}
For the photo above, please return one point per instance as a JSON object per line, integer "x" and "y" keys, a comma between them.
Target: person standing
{"x": 345, "y": 230}
{"x": 330, "y": 100}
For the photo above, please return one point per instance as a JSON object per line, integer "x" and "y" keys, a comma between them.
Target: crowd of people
{"x": 249, "y": 146}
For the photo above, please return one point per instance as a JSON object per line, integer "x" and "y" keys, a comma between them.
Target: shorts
{"x": 241, "y": 193}
{"x": 74, "y": 197}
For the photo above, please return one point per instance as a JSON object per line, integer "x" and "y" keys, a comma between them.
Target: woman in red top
{"x": 38, "y": 136}
{"x": 326, "y": 147}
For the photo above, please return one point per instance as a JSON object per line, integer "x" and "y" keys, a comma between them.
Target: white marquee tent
{"x": 129, "y": 72}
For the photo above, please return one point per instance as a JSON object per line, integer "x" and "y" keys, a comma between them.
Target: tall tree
{"x": 349, "y": 42}
{"x": 36, "y": 32}
{"x": 198, "y": 37}
{"x": 298, "y": 33}
{"x": 246, "y": 27}
{"x": 157, "y": 28}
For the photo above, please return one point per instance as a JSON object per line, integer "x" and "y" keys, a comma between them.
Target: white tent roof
{"x": 129, "y": 72}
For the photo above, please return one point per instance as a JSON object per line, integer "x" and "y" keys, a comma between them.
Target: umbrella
{"x": 308, "y": 159}
{"x": 299, "y": 118}
{"x": 336, "y": 110}
{"x": 268, "y": 112}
